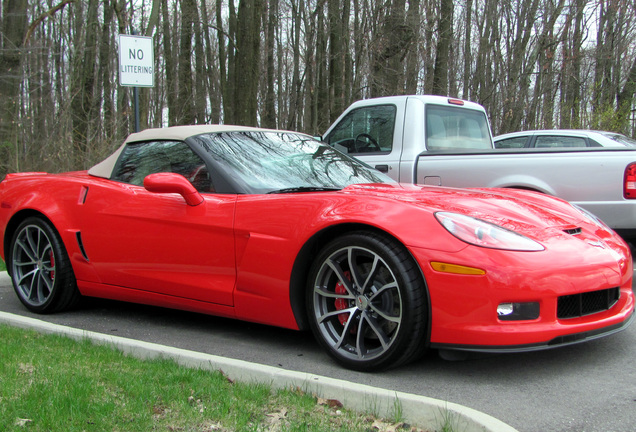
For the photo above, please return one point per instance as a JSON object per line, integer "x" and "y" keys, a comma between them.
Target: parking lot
{"x": 586, "y": 387}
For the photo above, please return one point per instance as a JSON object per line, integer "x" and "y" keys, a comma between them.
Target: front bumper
{"x": 463, "y": 308}
{"x": 570, "y": 339}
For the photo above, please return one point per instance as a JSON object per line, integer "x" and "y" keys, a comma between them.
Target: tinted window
{"x": 450, "y": 128}
{"x": 509, "y": 143}
{"x": 559, "y": 141}
{"x": 365, "y": 130}
{"x": 141, "y": 159}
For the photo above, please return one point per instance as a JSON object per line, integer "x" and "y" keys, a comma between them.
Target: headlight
{"x": 484, "y": 234}
{"x": 591, "y": 217}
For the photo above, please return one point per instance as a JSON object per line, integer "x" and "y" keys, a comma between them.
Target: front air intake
{"x": 578, "y": 305}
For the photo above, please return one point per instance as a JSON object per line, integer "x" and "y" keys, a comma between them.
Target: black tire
{"x": 367, "y": 302}
{"x": 40, "y": 269}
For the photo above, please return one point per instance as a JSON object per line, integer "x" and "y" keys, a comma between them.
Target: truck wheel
{"x": 367, "y": 302}
{"x": 40, "y": 268}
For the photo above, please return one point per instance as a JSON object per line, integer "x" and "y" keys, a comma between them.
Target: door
{"x": 367, "y": 133}
{"x": 156, "y": 242}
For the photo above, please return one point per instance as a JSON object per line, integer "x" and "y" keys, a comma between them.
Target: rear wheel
{"x": 367, "y": 302}
{"x": 40, "y": 268}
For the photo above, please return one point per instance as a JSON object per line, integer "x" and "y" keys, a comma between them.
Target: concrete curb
{"x": 417, "y": 410}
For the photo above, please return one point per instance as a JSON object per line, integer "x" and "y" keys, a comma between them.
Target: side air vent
{"x": 572, "y": 231}
{"x": 80, "y": 243}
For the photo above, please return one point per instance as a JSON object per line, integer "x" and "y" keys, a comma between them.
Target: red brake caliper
{"x": 342, "y": 304}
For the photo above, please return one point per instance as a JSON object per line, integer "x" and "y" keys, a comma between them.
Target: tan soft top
{"x": 105, "y": 168}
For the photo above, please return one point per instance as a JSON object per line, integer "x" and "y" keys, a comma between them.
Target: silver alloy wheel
{"x": 357, "y": 303}
{"x": 33, "y": 265}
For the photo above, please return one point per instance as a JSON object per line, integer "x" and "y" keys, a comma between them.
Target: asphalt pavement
{"x": 589, "y": 387}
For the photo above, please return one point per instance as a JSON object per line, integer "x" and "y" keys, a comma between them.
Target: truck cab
{"x": 389, "y": 133}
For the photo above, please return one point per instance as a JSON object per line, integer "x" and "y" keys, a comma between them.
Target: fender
{"x": 55, "y": 198}
{"x": 522, "y": 181}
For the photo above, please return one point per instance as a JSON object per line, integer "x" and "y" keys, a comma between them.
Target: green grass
{"x": 53, "y": 383}
{"x": 3, "y": 266}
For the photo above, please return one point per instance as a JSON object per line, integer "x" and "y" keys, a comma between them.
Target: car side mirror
{"x": 173, "y": 183}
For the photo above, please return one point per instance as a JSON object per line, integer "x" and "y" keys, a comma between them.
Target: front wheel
{"x": 367, "y": 302}
{"x": 40, "y": 269}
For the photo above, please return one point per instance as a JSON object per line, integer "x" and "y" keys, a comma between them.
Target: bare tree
{"x": 442, "y": 51}
{"x": 571, "y": 57}
{"x": 297, "y": 63}
{"x": 84, "y": 104}
{"x": 390, "y": 49}
{"x": 14, "y": 27}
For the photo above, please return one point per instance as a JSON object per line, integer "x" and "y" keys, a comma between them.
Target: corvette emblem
{"x": 598, "y": 244}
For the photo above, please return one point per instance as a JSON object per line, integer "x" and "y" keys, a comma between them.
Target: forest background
{"x": 296, "y": 64}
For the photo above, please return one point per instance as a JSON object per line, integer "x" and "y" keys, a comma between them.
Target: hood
{"x": 517, "y": 210}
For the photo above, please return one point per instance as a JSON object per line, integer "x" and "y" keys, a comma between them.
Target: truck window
{"x": 365, "y": 130}
{"x": 455, "y": 128}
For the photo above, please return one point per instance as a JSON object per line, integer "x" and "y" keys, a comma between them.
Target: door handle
{"x": 382, "y": 168}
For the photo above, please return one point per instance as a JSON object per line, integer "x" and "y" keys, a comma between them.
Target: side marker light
{"x": 456, "y": 269}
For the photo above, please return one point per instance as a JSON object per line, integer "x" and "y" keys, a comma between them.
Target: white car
{"x": 562, "y": 138}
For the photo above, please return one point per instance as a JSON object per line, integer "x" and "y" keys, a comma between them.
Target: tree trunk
{"x": 269, "y": 117}
{"x": 106, "y": 73}
{"x": 213, "y": 78}
{"x": 84, "y": 103}
{"x": 201, "y": 72}
{"x": 442, "y": 51}
{"x": 336, "y": 59}
{"x": 322, "y": 91}
{"x": 246, "y": 81}
{"x": 13, "y": 32}
{"x": 185, "y": 99}
{"x": 390, "y": 49}
{"x": 170, "y": 64}
{"x": 517, "y": 82}
{"x": 625, "y": 100}
{"x": 466, "y": 92}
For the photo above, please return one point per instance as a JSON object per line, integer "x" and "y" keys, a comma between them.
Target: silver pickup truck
{"x": 441, "y": 141}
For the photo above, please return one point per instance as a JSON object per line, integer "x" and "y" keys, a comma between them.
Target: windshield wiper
{"x": 305, "y": 189}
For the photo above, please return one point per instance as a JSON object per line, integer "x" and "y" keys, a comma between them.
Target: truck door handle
{"x": 382, "y": 168}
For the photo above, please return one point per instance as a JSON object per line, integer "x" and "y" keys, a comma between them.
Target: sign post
{"x": 136, "y": 65}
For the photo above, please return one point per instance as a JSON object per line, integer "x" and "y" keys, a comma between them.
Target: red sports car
{"x": 277, "y": 228}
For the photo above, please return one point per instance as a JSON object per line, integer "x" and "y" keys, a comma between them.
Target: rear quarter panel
{"x": 53, "y": 196}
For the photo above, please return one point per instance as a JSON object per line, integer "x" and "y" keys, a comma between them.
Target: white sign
{"x": 136, "y": 61}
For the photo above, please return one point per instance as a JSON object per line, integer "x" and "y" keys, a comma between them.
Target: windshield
{"x": 265, "y": 162}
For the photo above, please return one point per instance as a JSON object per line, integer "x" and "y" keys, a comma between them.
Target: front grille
{"x": 577, "y": 305}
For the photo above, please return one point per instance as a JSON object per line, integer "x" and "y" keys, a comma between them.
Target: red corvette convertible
{"x": 276, "y": 228}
